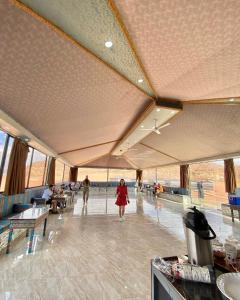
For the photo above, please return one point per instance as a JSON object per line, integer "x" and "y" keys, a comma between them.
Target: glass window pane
{"x": 59, "y": 172}
{"x": 169, "y": 176}
{"x": 116, "y": 174}
{"x": 66, "y": 173}
{"x": 29, "y": 157}
{"x": 94, "y": 174}
{"x": 37, "y": 169}
{"x": 207, "y": 183}
{"x": 3, "y": 137}
{"x": 4, "y": 176}
{"x": 150, "y": 175}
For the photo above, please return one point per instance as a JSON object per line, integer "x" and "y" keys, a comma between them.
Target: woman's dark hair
{"x": 124, "y": 183}
{"x": 87, "y": 180}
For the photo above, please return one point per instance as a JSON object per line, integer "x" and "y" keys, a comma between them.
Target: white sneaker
{"x": 123, "y": 218}
{"x": 120, "y": 219}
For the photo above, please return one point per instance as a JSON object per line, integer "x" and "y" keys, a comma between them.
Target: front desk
{"x": 166, "y": 288}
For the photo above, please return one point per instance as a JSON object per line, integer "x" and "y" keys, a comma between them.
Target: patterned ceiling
{"x": 62, "y": 93}
{"x": 82, "y": 98}
{"x": 190, "y": 49}
{"x": 92, "y": 23}
{"x": 200, "y": 131}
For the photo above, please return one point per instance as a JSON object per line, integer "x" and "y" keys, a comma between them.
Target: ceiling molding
{"x": 130, "y": 162}
{"x": 119, "y": 19}
{"x": 149, "y": 147}
{"x": 87, "y": 147}
{"x": 169, "y": 103}
{"x": 68, "y": 38}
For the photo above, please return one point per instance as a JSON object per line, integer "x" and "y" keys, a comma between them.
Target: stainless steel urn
{"x": 198, "y": 236}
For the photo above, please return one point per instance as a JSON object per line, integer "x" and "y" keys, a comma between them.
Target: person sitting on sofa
{"x": 48, "y": 196}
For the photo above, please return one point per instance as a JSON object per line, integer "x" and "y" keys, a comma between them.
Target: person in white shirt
{"x": 48, "y": 196}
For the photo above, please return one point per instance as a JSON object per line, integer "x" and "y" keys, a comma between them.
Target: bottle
{"x": 34, "y": 204}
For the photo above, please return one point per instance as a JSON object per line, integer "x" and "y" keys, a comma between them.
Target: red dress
{"x": 122, "y": 195}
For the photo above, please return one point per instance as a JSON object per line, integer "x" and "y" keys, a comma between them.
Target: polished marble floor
{"x": 88, "y": 254}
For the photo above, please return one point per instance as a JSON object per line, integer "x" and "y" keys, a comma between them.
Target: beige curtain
{"x": 184, "y": 176}
{"x": 73, "y": 174}
{"x": 229, "y": 176}
{"x": 15, "y": 181}
{"x": 51, "y": 171}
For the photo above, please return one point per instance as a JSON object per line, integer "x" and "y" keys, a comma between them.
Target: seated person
{"x": 159, "y": 188}
{"x": 48, "y": 196}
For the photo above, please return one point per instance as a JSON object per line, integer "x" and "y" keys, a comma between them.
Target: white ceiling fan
{"x": 156, "y": 128}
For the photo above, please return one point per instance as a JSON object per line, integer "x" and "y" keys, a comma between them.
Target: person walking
{"x": 86, "y": 185}
{"x": 122, "y": 198}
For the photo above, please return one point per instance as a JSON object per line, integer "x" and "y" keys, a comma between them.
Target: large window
{"x": 94, "y": 175}
{"x": 116, "y": 174}
{"x": 8, "y": 148}
{"x": 37, "y": 169}
{"x": 59, "y": 171}
{"x": 237, "y": 170}
{"x": 150, "y": 175}
{"x": 28, "y": 164}
{"x": 207, "y": 182}
{"x": 66, "y": 173}
{"x": 169, "y": 176}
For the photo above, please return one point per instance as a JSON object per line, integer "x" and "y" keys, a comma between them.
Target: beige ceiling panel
{"x": 92, "y": 23}
{"x": 145, "y": 157}
{"x": 190, "y": 49}
{"x": 200, "y": 131}
{"x": 85, "y": 156}
{"x": 62, "y": 94}
{"x": 110, "y": 161}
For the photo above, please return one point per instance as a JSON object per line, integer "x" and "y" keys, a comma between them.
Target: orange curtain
{"x": 51, "y": 171}
{"x": 73, "y": 174}
{"x": 229, "y": 176}
{"x": 15, "y": 181}
{"x": 139, "y": 175}
{"x": 184, "y": 176}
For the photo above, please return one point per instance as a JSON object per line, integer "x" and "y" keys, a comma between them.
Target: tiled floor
{"x": 88, "y": 254}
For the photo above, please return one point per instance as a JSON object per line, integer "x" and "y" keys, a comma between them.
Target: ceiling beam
{"x": 163, "y": 153}
{"x": 226, "y": 101}
{"x": 88, "y": 147}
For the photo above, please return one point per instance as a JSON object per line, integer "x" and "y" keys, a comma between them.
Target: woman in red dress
{"x": 122, "y": 198}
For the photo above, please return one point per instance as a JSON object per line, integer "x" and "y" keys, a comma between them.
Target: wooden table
{"x": 28, "y": 219}
{"x": 232, "y": 208}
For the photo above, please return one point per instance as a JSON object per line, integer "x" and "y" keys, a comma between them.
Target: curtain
{"x": 51, "y": 171}
{"x": 184, "y": 176}
{"x": 229, "y": 176}
{"x": 73, "y": 174}
{"x": 139, "y": 175}
{"x": 15, "y": 181}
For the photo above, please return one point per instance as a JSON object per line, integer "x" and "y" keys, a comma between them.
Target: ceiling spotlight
{"x": 142, "y": 126}
{"x": 172, "y": 112}
{"x": 158, "y": 109}
{"x": 231, "y": 100}
{"x": 108, "y": 44}
{"x": 140, "y": 80}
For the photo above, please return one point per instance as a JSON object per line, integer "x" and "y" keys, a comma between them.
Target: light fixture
{"x": 140, "y": 80}
{"x": 158, "y": 109}
{"x": 231, "y": 100}
{"x": 108, "y": 44}
{"x": 142, "y": 126}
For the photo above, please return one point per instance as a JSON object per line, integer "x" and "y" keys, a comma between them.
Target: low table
{"x": 232, "y": 208}
{"x": 28, "y": 219}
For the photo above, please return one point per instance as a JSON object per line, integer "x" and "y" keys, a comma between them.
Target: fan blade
{"x": 165, "y": 125}
{"x": 147, "y": 129}
{"x": 157, "y": 131}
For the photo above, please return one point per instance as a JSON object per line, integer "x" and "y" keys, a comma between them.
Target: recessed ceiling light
{"x": 158, "y": 109}
{"x": 142, "y": 126}
{"x": 231, "y": 100}
{"x": 108, "y": 44}
{"x": 140, "y": 80}
{"x": 172, "y": 112}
